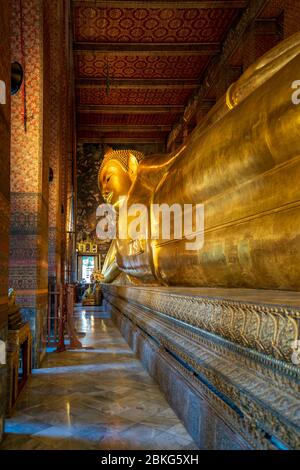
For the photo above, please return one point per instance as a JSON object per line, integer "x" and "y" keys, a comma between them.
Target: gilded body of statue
{"x": 243, "y": 164}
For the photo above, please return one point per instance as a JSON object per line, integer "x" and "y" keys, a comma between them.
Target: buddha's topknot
{"x": 122, "y": 156}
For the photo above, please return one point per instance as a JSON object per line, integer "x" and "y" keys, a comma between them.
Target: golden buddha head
{"x": 117, "y": 173}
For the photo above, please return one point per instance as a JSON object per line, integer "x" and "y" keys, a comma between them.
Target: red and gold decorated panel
{"x": 90, "y": 64}
{"x": 120, "y": 134}
{"x": 134, "y": 96}
{"x": 168, "y": 25}
{"x": 184, "y": 32}
{"x": 94, "y": 119}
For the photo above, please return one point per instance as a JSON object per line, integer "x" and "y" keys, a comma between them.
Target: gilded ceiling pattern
{"x": 126, "y": 119}
{"x": 125, "y": 96}
{"x": 91, "y": 64}
{"x": 152, "y": 25}
{"x": 122, "y": 134}
{"x": 142, "y": 56}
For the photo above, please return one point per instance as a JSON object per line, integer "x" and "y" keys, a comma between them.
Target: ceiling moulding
{"x": 138, "y": 83}
{"x": 206, "y": 49}
{"x": 122, "y": 128}
{"x": 164, "y": 4}
{"x": 121, "y": 140}
{"x": 112, "y": 109}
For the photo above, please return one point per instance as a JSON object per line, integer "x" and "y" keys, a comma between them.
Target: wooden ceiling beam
{"x": 137, "y": 83}
{"x": 201, "y": 4}
{"x": 149, "y": 49}
{"x": 122, "y": 140}
{"x": 122, "y": 128}
{"x": 118, "y": 109}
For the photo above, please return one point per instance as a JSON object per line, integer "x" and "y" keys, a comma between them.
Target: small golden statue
{"x": 92, "y": 296}
{"x": 97, "y": 276}
{"x": 15, "y": 320}
{"x": 88, "y": 298}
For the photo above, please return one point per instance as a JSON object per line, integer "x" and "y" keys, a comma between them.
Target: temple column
{"x": 54, "y": 123}
{"x": 4, "y": 191}
{"x": 68, "y": 169}
{"x": 28, "y": 273}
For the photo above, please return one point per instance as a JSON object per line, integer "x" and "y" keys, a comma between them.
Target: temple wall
{"x": 287, "y": 12}
{"x": 4, "y": 187}
{"x": 42, "y": 136}
{"x": 57, "y": 120}
{"x": 29, "y": 173}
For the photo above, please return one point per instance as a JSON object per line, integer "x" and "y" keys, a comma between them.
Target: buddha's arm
{"x": 110, "y": 268}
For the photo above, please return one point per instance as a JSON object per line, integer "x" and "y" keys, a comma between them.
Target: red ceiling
{"x": 145, "y": 69}
{"x": 151, "y": 25}
{"x": 90, "y": 134}
{"x": 134, "y": 96}
{"x": 92, "y": 65}
{"x": 126, "y": 119}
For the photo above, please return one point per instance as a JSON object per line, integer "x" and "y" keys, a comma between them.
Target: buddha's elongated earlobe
{"x": 133, "y": 165}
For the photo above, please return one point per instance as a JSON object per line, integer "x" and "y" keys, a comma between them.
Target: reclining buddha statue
{"x": 243, "y": 164}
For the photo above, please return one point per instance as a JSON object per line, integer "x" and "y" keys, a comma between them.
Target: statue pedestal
{"x": 18, "y": 354}
{"x": 223, "y": 358}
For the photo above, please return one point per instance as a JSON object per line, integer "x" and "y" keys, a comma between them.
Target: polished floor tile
{"x": 98, "y": 398}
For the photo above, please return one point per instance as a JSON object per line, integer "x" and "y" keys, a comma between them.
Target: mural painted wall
{"x": 89, "y": 157}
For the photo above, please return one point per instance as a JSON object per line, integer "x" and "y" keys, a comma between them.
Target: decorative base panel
{"x": 229, "y": 396}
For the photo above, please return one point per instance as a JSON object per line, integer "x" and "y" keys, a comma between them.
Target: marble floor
{"x": 100, "y": 398}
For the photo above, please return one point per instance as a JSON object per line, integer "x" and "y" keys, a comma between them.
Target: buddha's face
{"x": 114, "y": 182}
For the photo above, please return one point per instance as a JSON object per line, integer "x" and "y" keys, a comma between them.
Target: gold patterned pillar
{"x": 68, "y": 248}
{"x": 29, "y": 174}
{"x": 54, "y": 81}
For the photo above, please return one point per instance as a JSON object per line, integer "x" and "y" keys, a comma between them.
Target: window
{"x": 88, "y": 266}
